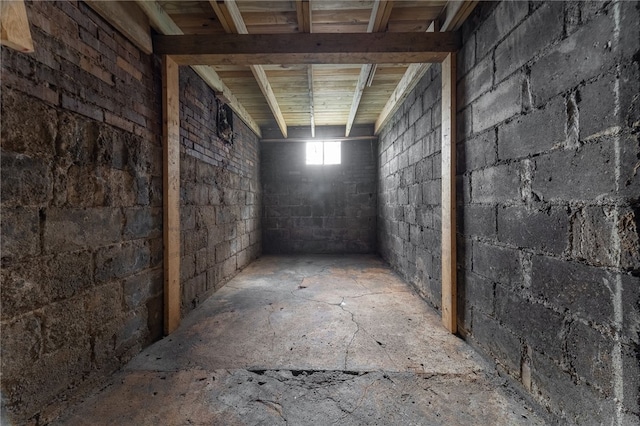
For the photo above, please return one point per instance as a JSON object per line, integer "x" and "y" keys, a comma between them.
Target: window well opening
{"x": 324, "y": 153}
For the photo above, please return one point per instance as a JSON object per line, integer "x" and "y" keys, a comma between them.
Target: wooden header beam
{"x": 300, "y": 48}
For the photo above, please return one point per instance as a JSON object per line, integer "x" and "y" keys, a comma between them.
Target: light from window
{"x": 323, "y": 153}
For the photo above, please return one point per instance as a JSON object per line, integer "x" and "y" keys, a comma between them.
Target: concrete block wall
{"x": 409, "y": 188}
{"x": 81, "y": 201}
{"x": 548, "y": 201}
{"x": 319, "y": 209}
{"x": 81, "y": 207}
{"x": 220, "y": 204}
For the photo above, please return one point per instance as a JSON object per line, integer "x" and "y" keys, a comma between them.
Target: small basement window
{"x": 323, "y": 153}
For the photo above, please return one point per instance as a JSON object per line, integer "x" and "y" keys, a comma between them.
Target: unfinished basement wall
{"x": 81, "y": 209}
{"x": 220, "y": 205}
{"x": 548, "y": 201}
{"x": 409, "y": 189}
{"x": 319, "y": 208}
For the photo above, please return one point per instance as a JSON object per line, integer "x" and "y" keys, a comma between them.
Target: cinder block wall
{"x": 319, "y": 209}
{"x": 409, "y": 187}
{"x": 220, "y": 206}
{"x": 548, "y": 192}
{"x": 81, "y": 207}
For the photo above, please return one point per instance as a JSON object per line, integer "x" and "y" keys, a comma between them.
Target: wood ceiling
{"x": 309, "y": 93}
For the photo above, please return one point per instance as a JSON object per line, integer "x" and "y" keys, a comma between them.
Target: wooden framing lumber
{"x": 453, "y": 16}
{"x": 300, "y": 48}
{"x": 128, "y": 19}
{"x": 14, "y": 26}
{"x": 448, "y": 155}
{"x": 171, "y": 192}
{"x": 163, "y": 23}
{"x": 259, "y": 74}
{"x": 312, "y": 119}
{"x": 380, "y": 14}
{"x": 303, "y": 12}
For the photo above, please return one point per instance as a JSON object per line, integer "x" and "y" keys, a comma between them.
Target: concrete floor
{"x": 308, "y": 340}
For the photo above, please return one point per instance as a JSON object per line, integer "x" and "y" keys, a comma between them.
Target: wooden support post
{"x": 449, "y": 281}
{"x": 171, "y": 193}
{"x": 14, "y": 26}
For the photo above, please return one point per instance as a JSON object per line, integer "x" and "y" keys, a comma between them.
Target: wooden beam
{"x": 453, "y": 16}
{"x": 14, "y": 26}
{"x": 303, "y": 11}
{"x": 448, "y": 155}
{"x": 171, "y": 192}
{"x": 127, "y": 18}
{"x": 312, "y": 117}
{"x": 377, "y": 22}
{"x": 326, "y": 48}
{"x": 258, "y": 72}
{"x": 222, "y": 13}
{"x": 163, "y": 23}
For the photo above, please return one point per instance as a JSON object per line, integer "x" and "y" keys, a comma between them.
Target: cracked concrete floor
{"x": 308, "y": 340}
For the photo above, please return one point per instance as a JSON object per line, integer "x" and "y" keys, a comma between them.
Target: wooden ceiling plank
{"x": 379, "y": 17}
{"x": 258, "y": 72}
{"x": 163, "y": 23}
{"x": 454, "y": 15}
{"x": 14, "y": 26}
{"x": 251, "y": 49}
{"x": 128, "y": 19}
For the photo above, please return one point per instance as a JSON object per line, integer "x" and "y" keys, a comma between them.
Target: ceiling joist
{"x": 163, "y": 23}
{"x": 378, "y": 22}
{"x": 252, "y": 49}
{"x": 233, "y": 20}
{"x": 451, "y": 19}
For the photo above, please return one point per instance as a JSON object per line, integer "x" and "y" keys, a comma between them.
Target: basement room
{"x": 320, "y": 212}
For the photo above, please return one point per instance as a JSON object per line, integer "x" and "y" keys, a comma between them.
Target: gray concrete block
{"x": 478, "y": 81}
{"x": 539, "y": 30}
{"x": 120, "y": 261}
{"x": 477, "y": 152}
{"x": 537, "y": 325}
{"x": 499, "y": 104}
{"x": 581, "y": 56}
{"x": 546, "y": 230}
{"x": 598, "y": 109}
{"x": 477, "y": 220}
{"x": 590, "y": 353}
{"x": 20, "y": 229}
{"x": 498, "y": 264}
{"x": 577, "y": 402}
{"x": 478, "y": 293}
{"x": 570, "y": 175}
{"x": 504, "y": 18}
{"x": 73, "y": 229}
{"x": 504, "y": 346}
{"x": 581, "y": 289}
{"x": 496, "y": 184}
{"x": 533, "y": 133}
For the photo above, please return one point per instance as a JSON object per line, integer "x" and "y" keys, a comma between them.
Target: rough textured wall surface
{"x": 81, "y": 209}
{"x": 548, "y": 201}
{"x": 319, "y": 209}
{"x": 409, "y": 187}
{"x": 220, "y": 195}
